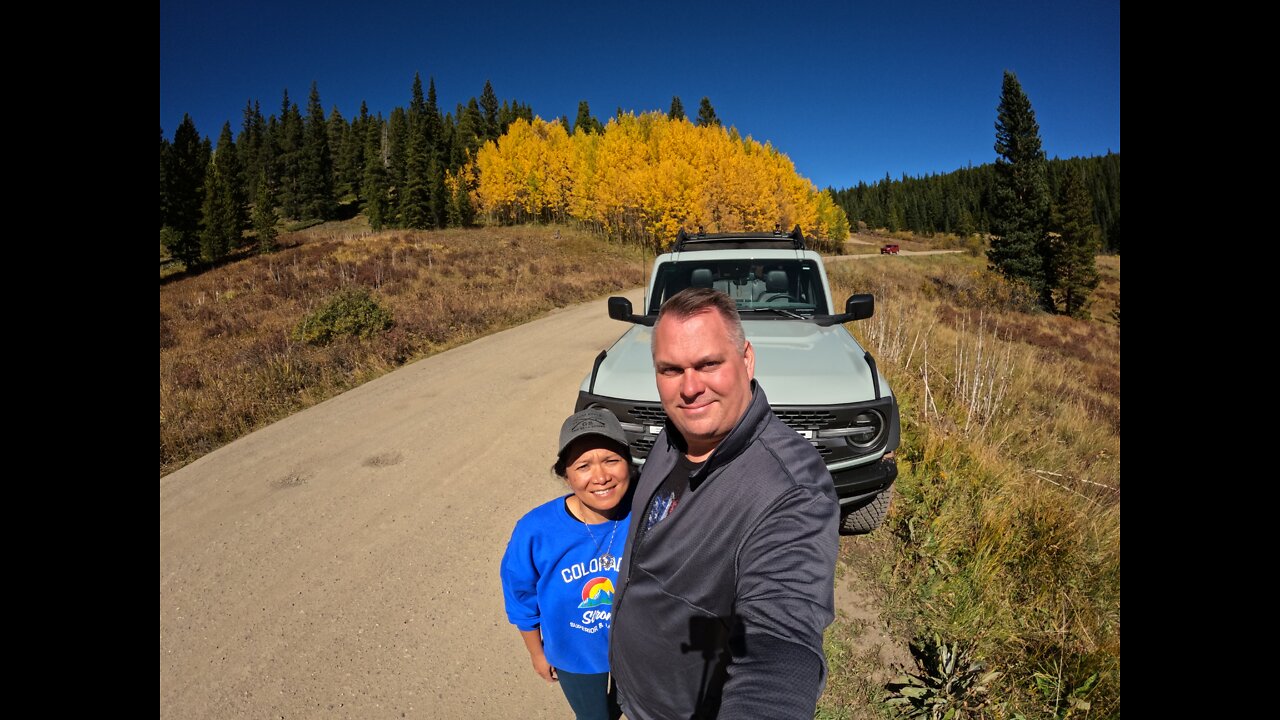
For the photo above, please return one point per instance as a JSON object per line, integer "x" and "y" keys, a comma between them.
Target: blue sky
{"x": 848, "y": 90}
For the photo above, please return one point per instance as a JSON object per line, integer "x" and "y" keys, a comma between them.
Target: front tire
{"x": 863, "y": 520}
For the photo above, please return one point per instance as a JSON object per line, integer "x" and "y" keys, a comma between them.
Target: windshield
{"x": 791, "y": 287}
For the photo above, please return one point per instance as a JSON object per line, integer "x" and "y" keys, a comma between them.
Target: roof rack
{"x": 762, "y": 239}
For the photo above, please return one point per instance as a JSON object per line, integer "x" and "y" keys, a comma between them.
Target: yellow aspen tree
{"x": 621, "y": 156}
{"x": 677, "y": 184}
{"x": 832, "y": 224}
{"x": 554, "y": 169}
{"x": 646, "y": 177}
{"x": 495, "y": 193}
{"x": 585, "y": 149}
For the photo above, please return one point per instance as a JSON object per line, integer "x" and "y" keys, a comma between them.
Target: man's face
{"x": 703, "y": 380}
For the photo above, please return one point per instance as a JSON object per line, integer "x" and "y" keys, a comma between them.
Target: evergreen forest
{"x": 961, "y": 201}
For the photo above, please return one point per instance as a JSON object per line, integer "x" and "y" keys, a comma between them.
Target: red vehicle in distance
{"x": 889, "y": 250}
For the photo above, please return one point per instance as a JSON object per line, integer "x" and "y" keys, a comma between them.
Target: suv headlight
{"x": 866, "y": 430}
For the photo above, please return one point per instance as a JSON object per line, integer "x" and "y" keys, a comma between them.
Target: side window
{"x": 810, "y": 288}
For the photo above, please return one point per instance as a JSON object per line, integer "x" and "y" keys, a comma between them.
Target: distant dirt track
{"x": 900, "y": 252}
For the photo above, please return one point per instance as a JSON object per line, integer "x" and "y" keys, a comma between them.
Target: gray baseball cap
{"x": 592, "y": 421}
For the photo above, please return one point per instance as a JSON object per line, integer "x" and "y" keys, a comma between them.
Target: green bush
{"x": 353, "y": 311}
{"x": 949, "y": 684}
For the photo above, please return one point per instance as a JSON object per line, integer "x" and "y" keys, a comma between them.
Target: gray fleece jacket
{"x": 721, "y": 606}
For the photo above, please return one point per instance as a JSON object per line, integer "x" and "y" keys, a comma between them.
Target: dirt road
{"x": 343, "y": 562}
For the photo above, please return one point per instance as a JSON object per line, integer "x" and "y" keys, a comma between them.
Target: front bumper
{"x": 857, "y": 484}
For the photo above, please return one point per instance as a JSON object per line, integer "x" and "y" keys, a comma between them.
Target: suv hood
{"x": 797, "y": 363}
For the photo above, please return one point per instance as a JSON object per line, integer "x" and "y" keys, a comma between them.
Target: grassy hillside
{"x": 233, "y": 357}
{"x": 1004, "y": 535}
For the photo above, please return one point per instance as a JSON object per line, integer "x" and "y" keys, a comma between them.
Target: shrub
{"x": 949, "y": 684}
{"x": 982, "y": 289}
{"x": 353, "y": 311}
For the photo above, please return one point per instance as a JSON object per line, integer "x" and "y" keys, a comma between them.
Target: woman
{"x": 562, "y": 561}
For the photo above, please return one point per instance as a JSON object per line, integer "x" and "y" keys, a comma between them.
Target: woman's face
{"x": 598, "y": 476}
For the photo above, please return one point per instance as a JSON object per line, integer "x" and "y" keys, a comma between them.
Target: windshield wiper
{"x": 780, "y": 311}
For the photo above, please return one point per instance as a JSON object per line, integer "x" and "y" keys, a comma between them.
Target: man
{"x": 728, "y": 579}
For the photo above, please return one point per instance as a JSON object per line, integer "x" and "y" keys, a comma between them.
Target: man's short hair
{"x": 695, "y": 300}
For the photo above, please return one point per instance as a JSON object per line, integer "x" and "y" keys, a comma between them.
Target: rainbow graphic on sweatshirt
{"x": 598, "y": 591}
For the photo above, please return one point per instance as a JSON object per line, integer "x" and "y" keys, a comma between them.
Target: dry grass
{"x": 1007, "y": 521}
{"x": 228, "y": 365}
{"x": 1106, "y": 298}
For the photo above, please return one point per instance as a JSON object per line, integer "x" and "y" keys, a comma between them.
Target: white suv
{"x": 819, "y": 380}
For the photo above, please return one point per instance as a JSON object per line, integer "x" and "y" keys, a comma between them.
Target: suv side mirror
{"x": 860, "y": 307}
{"x": 857, "y": 307}
{"x": 620, "y": 309}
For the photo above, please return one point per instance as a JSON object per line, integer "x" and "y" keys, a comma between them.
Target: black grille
{"x": 805, "y": 419}
{"x": 647, "y": 415}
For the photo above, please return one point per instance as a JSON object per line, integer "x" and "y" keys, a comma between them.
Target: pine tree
{"x": 585, "y": 122}
{"x": 374, "y": 187}
{"x": 489, "y": 104}
{"x": 677, "y": 109}
{"x": 510, "y": 112}
{"x": 449, "y": 140}
{"x": 228, "y": 162}
{"x": 220, "y": 232}
{"x": 435, "y": 123}
{"x": 1076, "y": 246}
{"x": 1020, "y": 212}
{"x": 264, "y": 214}
{"x": 415, "y": 201}
{"x": 261, "y": 144}
{"x": 505, "y": 118}
{"x": 317, "y": 167}
{"x": 397, "y": 160}
{"x": 462, "y": 209}
{"x": 417, "y": 98}
{"x": 351, "y": 161}
{"x": 249, "y": 146}
{"x": 288, "y": 173}
{"x": 438, "y": 149}
{"x": 164, "y": 177}
{"x": 187, "y": 162}
{"x": 706, "y": 114}
{"x": 469, "y": 135}
{"x": 525, "y": 112}
{"x": 338, "y": 129}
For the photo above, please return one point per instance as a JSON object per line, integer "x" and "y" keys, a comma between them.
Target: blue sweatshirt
{"x": 553, "y": 577}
